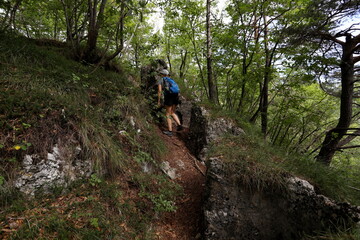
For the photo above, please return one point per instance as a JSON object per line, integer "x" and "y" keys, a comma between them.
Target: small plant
{"x": 143, "y": 157}
{"x": 23, "y": 146}
{"x": 160, "y": 191}
{"x": 94, "y": 222}
{"x": 161, "y": 203}
{"x": 94, "y": 180}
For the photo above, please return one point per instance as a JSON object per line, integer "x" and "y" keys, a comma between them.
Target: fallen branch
{"x": 196, "y": 165}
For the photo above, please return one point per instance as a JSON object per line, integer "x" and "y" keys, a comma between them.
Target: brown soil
{"x": 186, "y": 222}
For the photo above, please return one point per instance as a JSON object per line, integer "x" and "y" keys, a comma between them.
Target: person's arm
{"x": 159, "y": 93}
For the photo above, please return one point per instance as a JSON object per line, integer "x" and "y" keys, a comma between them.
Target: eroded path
{"x": 186, "y": 222}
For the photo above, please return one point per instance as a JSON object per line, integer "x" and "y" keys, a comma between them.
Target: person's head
{"x": 164, "y": 72}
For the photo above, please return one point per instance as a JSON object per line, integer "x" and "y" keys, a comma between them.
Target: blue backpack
{"x": 170, "y": 85}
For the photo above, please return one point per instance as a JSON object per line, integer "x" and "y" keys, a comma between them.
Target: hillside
{"x": 48, "y": 100}
{"x": 102, "y": 121}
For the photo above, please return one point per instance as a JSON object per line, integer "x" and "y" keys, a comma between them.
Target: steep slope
{"x": 48, "y": 101}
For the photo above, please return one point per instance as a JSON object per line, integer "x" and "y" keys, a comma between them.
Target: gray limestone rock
{"x": 233, "y": 211}
{"x": 56, "y": 170}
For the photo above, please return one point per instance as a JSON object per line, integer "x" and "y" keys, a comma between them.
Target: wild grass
{"x": 250, "y": 163}
{"x": 348, "y": 234}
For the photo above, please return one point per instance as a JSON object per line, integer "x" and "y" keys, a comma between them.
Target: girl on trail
{"x": 171, "y": 100}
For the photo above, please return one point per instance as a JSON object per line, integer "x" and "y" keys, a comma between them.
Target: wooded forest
{"x": 289, "y": 66}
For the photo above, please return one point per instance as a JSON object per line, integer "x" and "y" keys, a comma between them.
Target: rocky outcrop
{"x": 204, "y": 130}
{"x": 58, "y": 170}
{"x": 233, "y": 210}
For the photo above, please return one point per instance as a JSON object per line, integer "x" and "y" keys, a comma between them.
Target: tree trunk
{"x": 95, "y": 22}
{"x": 334, "y": 136}
{"x": 264, "y": 100}
{"x": 198, "y": 62}
{"x": 183, "y": 63}
{"x": 211, "y": 83}
{"x": 13, "y": 13}
{"x": 243, "y": 84}
{"x": 119, "y": 33}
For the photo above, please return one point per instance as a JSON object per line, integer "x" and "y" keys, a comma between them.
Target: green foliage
{"x": 94, "y": 180}
{"x": 347, "y": 234}
{"x": 159, "y": 191}
{"x": 252, "y": 162}
{"x": 90, "y": 105}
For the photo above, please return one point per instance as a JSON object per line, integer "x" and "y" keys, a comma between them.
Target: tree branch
{"x": 328, "y": 36}
{"x": 341, "y": 148}
{"x": 356, "y": 38}
{"x": 349, "y": 138}
{"x": 356, "y": 59}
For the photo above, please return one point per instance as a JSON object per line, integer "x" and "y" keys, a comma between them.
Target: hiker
{"x": 171, "y": 99}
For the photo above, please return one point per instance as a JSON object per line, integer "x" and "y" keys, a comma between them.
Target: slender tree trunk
{"x": 69, "y": 22}
{"x": 56, "y": 19}
{"x": 243, "y": 84}
{"x": 264, "y": 101}
{"x": 183, "y": 63}
{"x": 198, "y": 62}
{"x": 119, "y": 34}
{"x": 12, "y": 20}
{"x": 211, "y": 83}
{"x": 168, "y": 51}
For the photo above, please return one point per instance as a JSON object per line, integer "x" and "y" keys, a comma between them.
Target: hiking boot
{"x": 180, "y": 128}
{"x": 169, "y": 133}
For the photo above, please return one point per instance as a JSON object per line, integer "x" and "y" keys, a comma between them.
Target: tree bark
{"x": 334, "y": 136}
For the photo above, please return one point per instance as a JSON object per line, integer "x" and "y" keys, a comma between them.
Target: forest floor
{"x": 186, "y": 222}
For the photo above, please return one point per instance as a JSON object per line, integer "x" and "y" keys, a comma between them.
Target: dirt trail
{"x": 186, "y": 222}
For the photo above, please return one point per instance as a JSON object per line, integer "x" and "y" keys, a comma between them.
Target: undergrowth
{"x": 89, "y": 210}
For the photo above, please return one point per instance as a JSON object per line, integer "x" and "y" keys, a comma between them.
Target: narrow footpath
{"x": 186, "y": 222}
